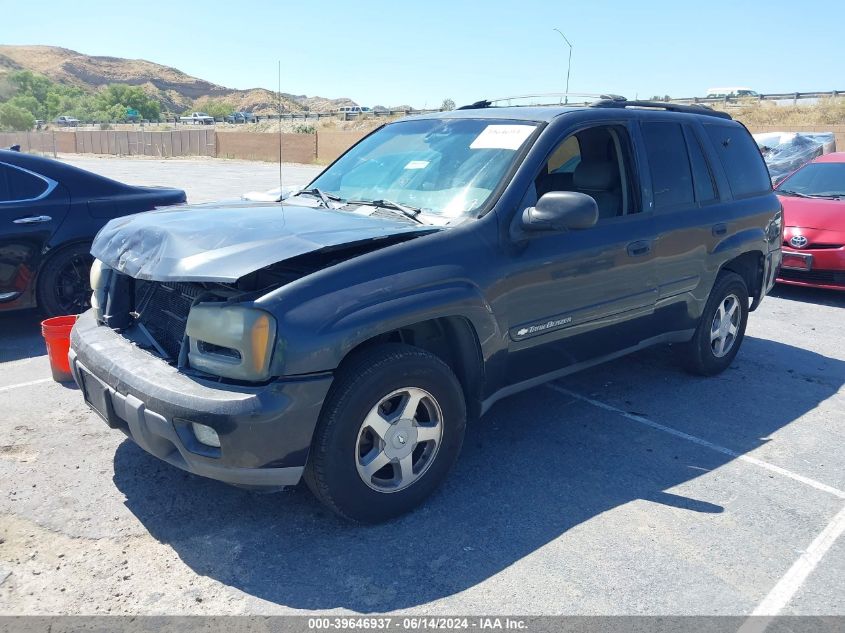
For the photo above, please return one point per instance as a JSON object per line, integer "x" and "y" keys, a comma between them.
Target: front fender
{"x": 306, "y": 345}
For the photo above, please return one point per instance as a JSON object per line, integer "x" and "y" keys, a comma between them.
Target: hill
{"x": 174, "y": 89}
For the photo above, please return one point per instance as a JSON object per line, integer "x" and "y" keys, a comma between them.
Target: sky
{"x": 422, "y": 52}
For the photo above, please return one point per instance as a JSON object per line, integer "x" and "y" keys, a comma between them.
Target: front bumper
{"x": 826, "y": 268}
{"x": 265, "y": 431}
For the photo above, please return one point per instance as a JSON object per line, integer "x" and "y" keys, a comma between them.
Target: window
{"x": 816, "y": 179}
{"x": 595, "y": 161}
{"x": 705, "y": 189}
{"x": 22, "y": 185}
{"x": 446, "y": 167}
{"x": 671, "y": 179}
{"x": 565, "y": 158}
{"x": 741, "y": 158}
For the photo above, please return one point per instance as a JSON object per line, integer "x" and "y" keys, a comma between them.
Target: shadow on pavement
{"x": 534, "y": 467}
{"x": 20, "y": 335}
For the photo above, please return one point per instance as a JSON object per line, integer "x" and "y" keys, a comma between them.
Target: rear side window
{"x": 705, "y": 190}
{"x": 23, "y": 185}
{"x": 741, "y": 159}
{"x": 671, "y": 179}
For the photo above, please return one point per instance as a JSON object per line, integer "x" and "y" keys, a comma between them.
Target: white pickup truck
{"x": 198, "y": 118}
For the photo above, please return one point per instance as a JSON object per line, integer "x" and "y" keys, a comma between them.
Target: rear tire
{"x": 389, "y": 432}
{"x": 721, "y": 329}
{"x": 64, "y": 285}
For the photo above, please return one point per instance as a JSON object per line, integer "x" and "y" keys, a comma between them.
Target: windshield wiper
{"x": 404, "y": 209}
{"x": 787, "y": 192}
{"x": 322, "y": 195}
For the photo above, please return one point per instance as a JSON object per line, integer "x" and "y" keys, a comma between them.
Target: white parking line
{"x": 702, "y": 442}
{"x": 788, "y": 585}
{"x": 26, "y": 384}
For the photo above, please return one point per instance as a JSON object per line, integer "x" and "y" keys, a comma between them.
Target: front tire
{"x": 721, "y": 329}
{"x": 390, "y": 431}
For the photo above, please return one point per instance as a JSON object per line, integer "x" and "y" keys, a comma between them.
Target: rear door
{"x": 31, "y": 209}
{"x": 689, "y": 215}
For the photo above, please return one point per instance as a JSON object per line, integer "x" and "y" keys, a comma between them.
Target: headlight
{"x": 231, "y": 341}
{"x": 99, "y": 277}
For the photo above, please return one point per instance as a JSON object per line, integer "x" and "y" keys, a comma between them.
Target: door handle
{"x": 720, "y": 229}
{"x": 637, "y": 249}
{"x": 33, "y": 219}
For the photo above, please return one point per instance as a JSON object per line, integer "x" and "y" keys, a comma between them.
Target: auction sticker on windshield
{"x": 502, "y": 137}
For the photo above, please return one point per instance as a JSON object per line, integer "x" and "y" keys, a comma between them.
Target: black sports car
{"x": 49, "y": 214}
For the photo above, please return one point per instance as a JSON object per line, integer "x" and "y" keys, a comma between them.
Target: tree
{"x": 447, "y": 104}
{"x": 45, "y": 99}
{"x": 15, "y": 118}
{"x": 115, "y": 99}
{"x": 29, "y": 83}
{"x": 28, "y": 103}
{"x": 218, "y": 108}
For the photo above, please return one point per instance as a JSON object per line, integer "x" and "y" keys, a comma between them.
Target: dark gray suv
{"x": 447, "y": 260}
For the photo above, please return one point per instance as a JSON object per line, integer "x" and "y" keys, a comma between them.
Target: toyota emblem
{"x": 798, "y": 241}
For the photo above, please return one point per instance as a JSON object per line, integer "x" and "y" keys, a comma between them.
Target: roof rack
{"x": 557, "y": 98}
{"x": 662, "y": 105}
{"x": 603, "y": 101}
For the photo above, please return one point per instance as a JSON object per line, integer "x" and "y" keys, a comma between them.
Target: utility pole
{"x": 569, "y": 65}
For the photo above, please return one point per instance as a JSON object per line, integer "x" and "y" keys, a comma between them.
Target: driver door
{"x": 578, "y": 295}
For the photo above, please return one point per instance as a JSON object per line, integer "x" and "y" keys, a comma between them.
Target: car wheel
{"x": 64, "y": 285}
{"x": 390, "y": 430}
{"x": 722, "y": 327}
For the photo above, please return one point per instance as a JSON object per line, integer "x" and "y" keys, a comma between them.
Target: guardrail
{"x": 775, "y": 96}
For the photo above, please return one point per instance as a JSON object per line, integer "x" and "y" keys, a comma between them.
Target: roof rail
{"x": 557, "y": 98}
{"x": 670, "y": 107}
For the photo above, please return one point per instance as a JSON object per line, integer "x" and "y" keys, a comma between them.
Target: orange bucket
{"x": 56, "y": 333}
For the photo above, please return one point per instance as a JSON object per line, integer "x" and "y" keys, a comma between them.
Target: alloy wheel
{"x": 72, "y": 289}
{"x": 725, "y": 325}
{"x": 399, "y": 439}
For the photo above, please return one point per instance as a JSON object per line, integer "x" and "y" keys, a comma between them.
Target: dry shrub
{"x": 827, "y": 111}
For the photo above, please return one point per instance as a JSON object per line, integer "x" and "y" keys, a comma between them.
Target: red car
{"x": 813, "y": 199}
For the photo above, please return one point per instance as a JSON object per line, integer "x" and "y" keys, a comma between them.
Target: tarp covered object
{"x": 784, "y": 152}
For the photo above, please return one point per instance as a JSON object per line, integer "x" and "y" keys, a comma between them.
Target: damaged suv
{"x": 447, "y": 260}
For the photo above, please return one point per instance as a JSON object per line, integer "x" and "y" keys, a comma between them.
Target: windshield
{"x": 816, "y": 179}
{"x": 445, "y": 167}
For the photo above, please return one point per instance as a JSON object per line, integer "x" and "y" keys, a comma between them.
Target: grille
{"x": 829, "y": 277}
{"x": 816, "y": 246}
{"x": 163, "y": 309}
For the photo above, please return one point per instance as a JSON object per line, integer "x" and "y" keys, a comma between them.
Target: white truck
{"x": 198, "y": 118}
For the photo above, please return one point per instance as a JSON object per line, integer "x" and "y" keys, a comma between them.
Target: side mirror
{"x": 561, "y": 211}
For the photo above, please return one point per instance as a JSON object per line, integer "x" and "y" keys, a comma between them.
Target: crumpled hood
{"x": 225, "y": 242}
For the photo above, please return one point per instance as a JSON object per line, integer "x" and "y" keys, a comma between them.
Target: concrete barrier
{"x": 323, "y": 147}
{"x": 39, "y": 142}
{"x": 333, "y": 143}
{"x": 296, "y": 148}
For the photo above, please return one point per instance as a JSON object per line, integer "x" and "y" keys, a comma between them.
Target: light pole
{"x": 569, "y": 65}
